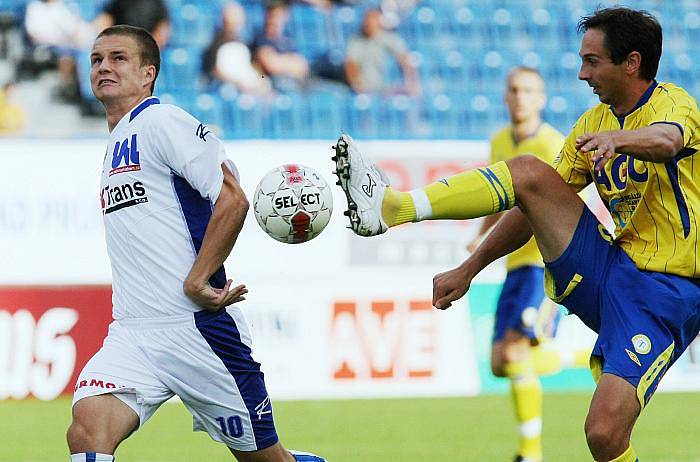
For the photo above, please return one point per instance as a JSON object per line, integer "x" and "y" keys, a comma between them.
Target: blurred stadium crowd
{"x": 308, "y": 68}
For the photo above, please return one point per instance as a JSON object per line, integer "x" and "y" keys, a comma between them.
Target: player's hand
{"x": 602, "y": 143}
{"x": 450, "y": 286}
{"x": 213, "y": 299}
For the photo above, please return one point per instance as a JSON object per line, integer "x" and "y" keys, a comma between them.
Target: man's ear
{"x": 149, "y": 74}
{"x": 634, "y": 62}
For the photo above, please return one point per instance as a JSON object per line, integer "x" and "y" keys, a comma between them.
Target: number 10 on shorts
{"x": 233, "y": 426}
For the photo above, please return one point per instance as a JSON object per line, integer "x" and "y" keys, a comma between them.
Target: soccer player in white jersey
{"x": 172, "y": 210}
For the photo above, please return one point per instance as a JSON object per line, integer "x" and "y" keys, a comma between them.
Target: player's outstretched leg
{"x": 373, "y": 206}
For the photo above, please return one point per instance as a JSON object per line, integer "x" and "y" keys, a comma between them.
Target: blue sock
{"x": 306, "y": 457}
{"x": 91, "y": 457}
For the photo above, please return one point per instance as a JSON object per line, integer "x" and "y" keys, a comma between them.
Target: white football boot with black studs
{"x": 364, "y": 186}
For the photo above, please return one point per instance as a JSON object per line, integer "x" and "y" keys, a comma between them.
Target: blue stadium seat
{"x": 363, "y": 116}
{"x": 180, "y": 68}
{"x": 14, "y": 9}
{"x": 442, "y": 114}
{"x": 463, "y": 50}
{"x": 308, "y": 27}
{"x": 193, "y": 26}
{"x": 287, "y": 117}
{"x": 209, "y": 109}
{"x": 326, "y": 111}
{"x": 246, "y": 118}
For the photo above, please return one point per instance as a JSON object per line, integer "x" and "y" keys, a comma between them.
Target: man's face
{"x": 116, "y": 69}
{"x": 372, "y": 24}
{"x": 525, "y": 96}
{"x": 276, "y": 20}
{"x": 597, "y": 69}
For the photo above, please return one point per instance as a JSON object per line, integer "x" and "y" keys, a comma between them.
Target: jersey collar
{"x": 642, "y": 101}
{"x": 530, "y": 135}
{"x": 143, "y": 105}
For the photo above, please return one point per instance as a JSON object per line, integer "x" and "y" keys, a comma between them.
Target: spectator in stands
{"x": 275, "y": 53}
{"x": 51, "y": 24}
{"x": 368, "y": 54}
{"x": 12, "y": 115}
{"x": 228, "y": 58}
{"x": 152, "y": 15}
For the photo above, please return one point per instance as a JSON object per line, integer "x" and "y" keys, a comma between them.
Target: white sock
{"x": 423, "y": 208}
{"x": 91, "y": 457}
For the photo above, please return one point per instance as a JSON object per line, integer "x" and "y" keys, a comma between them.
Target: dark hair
{"x": 627, "y": 30}
{"x": 149, "y": 53}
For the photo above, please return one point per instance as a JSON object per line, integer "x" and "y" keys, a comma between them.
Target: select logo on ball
{"x": 293, "y": 203}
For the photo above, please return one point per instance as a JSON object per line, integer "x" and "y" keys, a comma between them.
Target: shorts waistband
{"x": 160, "y": 322}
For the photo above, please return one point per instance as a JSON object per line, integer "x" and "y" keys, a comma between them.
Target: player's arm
{"x": 655, "y": 143}
{"x": 668, "y": 130}
{"x": 486, "y": 224}
{"x": 510, "y": 233}
{"x": 222, "y": 231}
{"x": 196, "y": 155}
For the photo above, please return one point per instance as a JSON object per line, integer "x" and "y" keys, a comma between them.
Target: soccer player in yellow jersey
{"x": 514, "y": 353}
{"x": 640, "y": 289}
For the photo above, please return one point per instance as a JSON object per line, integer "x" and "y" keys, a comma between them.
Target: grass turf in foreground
{"x": 402, "y": 430}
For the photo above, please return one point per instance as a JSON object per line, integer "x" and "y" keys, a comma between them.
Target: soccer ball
{"x": 293, "y": 203}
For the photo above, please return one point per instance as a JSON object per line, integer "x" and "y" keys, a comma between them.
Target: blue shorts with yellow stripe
{"x": 523, "y": 289}
{"x": 644, "y": 320}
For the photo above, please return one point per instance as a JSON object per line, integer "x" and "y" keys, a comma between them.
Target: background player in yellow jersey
{"x": 640, "y": 291}
{"x": 514, "y": 353}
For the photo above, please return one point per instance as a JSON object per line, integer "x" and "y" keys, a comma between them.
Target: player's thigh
{"x": 100, "y": 423}
{"x": 209, "y": 365}
{"x": 119, "y": 376}
{"x": 552, "y": 208}
{"x": 275, "y": 453}
{"x": 647, "y": 322}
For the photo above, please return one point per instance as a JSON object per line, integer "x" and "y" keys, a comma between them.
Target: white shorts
{"x": 204, "y": 358}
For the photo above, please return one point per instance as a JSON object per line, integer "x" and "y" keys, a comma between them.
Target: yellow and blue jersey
{"x": 655, "y": 206}
{"x": 545, "y": 143}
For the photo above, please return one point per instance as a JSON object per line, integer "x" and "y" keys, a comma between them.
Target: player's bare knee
{"x": 605, "y": 437}
{"x": 528, "y": 173}
{"x": 87, "y": 438}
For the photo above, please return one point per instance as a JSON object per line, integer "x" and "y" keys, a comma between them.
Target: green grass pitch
{"x": 403, "y": 430}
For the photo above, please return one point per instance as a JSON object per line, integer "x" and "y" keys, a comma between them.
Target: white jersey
{"x": 161, "y": 177}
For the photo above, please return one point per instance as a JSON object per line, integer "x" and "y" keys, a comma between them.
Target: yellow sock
{"x": 549, "y": 360}
{"x": 546, "y": 360}
{"x": 397, "y": 208}
{"x": 526, "y": 391}
{"x": 628, "y": 456}
{"x": 471, "y": 194}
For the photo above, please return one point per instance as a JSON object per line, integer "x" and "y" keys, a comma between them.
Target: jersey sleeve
{"x": 572, "y": 164}
{"x": 191, "y": 151}
{"x": 678, "y": 108}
